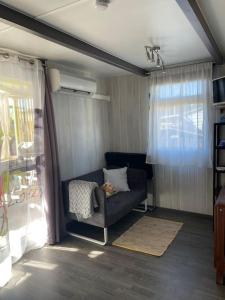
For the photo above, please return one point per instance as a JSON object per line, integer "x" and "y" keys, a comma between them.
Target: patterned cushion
{"x": 109, "y": 189}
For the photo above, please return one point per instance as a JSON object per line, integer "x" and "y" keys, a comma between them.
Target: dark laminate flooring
{"x": 77, "y": 269}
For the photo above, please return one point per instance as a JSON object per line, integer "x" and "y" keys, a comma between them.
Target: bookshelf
{"x": 219, "y": 105}
{"x": 218, "y": 169}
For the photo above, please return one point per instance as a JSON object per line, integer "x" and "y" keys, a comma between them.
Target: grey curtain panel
{"x": 53, "y": 195}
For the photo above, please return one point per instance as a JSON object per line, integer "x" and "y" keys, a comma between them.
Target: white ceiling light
{"x": 102, "y": 4}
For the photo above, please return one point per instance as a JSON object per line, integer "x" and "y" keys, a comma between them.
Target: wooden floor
{"x": 80, "y": 270}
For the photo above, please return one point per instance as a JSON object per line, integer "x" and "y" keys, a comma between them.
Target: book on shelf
{"x": 221, "y": 144}
{"x": 220, "y": 168}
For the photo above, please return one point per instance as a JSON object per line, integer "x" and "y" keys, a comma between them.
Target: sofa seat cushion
{"x": 121, "y": 203}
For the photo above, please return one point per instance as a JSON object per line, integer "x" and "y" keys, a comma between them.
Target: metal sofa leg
{"x": 106, "y": 238}
{"x": 83, "y": 237}
{"x": 145, "y": 207}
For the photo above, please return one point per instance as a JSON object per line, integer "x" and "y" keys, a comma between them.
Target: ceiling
{"x": 214, "y": 12}
{"x": 122, "y": 30}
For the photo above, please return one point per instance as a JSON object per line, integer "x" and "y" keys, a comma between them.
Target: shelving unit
{"x": 217, "y": 168}
{"x": 219, "y": 105}
{"x": 219, "y": 236}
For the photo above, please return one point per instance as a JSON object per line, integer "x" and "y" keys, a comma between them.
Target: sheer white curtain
{"x": 180, "y": 136}
{"x": 22, "y": 221}
{"x": 5, "y": 127}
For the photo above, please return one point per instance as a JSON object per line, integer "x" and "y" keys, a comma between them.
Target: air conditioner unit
{"x": 61, "y": 82}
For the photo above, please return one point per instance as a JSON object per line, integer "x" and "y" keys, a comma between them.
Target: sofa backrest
{"x": 130, "y": 160}
{"x": 96, "y": 176}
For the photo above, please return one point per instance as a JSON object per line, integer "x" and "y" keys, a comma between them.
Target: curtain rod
{"x": 6, "y": 54}
{"x": 182, "y": 65}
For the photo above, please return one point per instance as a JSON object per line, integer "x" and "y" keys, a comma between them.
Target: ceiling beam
{"x": 192, "y": 11}
{"x": 44, "y": 30}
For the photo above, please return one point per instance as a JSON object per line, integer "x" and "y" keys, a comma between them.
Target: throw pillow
{"x": 118, "y": 178}
{"x": 109, "y": 189}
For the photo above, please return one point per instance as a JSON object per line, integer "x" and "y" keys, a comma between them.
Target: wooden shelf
{"x": 219, "y": 124}
{"x": 219, "y": 236}
{"x": 217, "y": 169}
{"x": 217, "y": 163}
{"x": 220, "y": 171}
{"x": 219, "y": 105}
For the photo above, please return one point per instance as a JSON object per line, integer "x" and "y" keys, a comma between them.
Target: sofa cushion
{"x": 121, "y": 203}
{"x": 118, "y": 178}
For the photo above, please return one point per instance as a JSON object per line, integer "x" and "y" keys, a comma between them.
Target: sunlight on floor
{"x": 69, "y": 249}
{"x": 17, "y": 279}
{"x": 94, "y": 254}
{"x": 22, "y": 279}
{"x": 40, "y": 265}
{"x": 5, "y": 270}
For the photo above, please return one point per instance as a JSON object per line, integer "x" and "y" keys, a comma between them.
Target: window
{"x": 17, "y": 121}
{"x": 179, "y": 117}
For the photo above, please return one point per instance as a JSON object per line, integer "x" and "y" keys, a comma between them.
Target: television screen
{"x": 219, "y": 90}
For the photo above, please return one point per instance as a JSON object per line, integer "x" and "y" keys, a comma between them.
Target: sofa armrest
{"x": 101, "y": 199}
{"x": 100, "y": 194}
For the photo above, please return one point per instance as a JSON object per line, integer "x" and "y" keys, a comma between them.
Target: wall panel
{"x": 83, "y": 133}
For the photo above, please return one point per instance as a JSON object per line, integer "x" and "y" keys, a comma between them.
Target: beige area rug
{"x": 149, "y": 235}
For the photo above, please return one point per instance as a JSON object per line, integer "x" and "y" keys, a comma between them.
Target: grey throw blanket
{"x": 82, "y": 201}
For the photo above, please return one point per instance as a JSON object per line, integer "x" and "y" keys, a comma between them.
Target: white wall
{"x": 86, "y": 129}
{"x": 82, "y": 133}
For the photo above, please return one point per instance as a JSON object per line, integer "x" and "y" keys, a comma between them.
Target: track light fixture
{"x": 158, "y": 62}
{"x": 148, "y": 54}
{"x": 151, "y": 52}
{"x": 102, "y": 4}
{"x": 152, "y": 56}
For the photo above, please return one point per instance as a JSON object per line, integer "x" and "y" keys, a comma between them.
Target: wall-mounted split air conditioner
{"x": 61, "y": 82}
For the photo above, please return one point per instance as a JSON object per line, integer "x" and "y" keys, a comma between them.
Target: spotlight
{"x": 148, "y": 53}
{"x": 158, "y": 61}
{"x": 153, "y": 56}
{"x": 102, "y": 4}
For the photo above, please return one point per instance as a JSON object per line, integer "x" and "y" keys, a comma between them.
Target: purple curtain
{"x": 53, "y": 194}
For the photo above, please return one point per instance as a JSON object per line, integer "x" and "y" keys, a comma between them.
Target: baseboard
{"x": 185, "y": 212}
